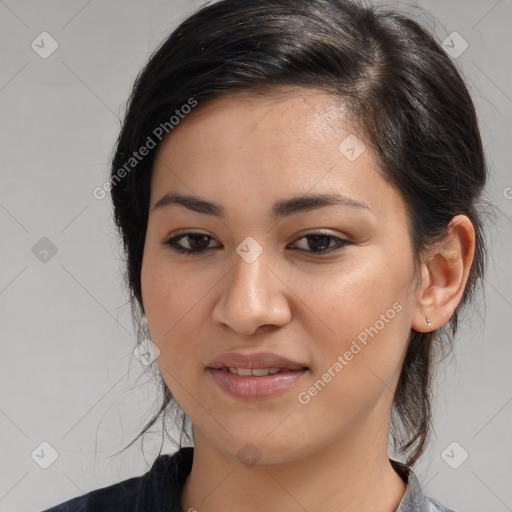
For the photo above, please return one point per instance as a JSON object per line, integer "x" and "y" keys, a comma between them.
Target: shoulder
{"x": 414, "y": 500}
{"x": 119, "y": 496}
{"x": 157, "y": 490}
{"x": 435, "y": 506}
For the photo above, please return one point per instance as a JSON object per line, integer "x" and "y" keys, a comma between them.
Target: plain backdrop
{"x": 70, "y": 386}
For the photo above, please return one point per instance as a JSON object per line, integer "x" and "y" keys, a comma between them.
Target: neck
{"x": 345, "y": 476}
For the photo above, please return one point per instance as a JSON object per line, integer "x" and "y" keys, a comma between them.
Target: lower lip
{"x": 255, "y": 387}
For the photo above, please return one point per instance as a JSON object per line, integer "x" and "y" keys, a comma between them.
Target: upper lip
{"x": 254, "y": 361}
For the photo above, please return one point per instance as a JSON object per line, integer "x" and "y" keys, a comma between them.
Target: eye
{"x": 320, "y": 242}
{"x": 197, "y": 243}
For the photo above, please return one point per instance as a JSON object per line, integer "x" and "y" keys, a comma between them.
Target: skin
{"x": 246, "y": 152}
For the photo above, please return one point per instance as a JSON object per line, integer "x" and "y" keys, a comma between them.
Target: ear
{"x": 444, "y": 274}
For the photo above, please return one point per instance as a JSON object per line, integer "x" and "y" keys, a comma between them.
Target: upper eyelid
{"x": 319, "y": 232}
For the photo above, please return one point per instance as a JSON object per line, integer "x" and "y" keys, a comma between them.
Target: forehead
{"x": 299, "y": 114}
{"x": 270, "y": 145}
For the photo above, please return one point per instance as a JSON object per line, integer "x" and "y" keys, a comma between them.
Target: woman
{"x": 297, "y": 186}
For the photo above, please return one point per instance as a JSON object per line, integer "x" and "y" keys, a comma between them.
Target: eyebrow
{"x": 279, "y": 209}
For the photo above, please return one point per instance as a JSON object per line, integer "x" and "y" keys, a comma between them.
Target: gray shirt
{"x": 414, "y": 500}
{"x": 159, "y": 490}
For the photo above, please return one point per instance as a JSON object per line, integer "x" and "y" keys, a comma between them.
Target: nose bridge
{"x": 252, "y": 294}
{"x": 251, "y": 278}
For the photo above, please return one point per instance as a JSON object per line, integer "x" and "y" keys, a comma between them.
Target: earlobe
{"x": 444, "y": 276}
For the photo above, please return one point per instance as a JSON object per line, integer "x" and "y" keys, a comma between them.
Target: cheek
{"x": 358, "y": 366}
{"x": 345, "y": 299}
{"x": 165, "y": 292}
{"x": 171, "y": 303}
{"x": 177, "y": 307}
{"x": 361, "y": 314}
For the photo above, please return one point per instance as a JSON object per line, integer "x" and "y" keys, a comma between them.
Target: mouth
{"x": 255, "y": 383}
{"x": 242, "y": 363}
{"x": 255, "y": 376}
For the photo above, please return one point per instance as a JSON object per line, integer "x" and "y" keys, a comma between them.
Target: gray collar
{"x": 413, "y": 499}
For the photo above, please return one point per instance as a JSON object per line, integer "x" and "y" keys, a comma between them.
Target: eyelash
{"x": 172, "y": 243}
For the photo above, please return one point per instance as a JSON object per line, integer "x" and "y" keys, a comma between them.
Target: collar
{"x": 413, "y": 499}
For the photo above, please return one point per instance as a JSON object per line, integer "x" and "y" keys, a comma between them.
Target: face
{"x": 326, "y": 284}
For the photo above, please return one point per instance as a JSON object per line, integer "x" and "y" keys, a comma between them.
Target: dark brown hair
{"x": 398, "y": 84}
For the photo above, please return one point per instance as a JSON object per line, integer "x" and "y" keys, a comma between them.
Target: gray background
{"x": 68, "y": 376}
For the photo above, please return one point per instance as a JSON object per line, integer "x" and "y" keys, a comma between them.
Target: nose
{"x": 253, "y": 297}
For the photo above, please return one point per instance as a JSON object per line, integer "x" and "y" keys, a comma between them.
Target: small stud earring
{"x": 428, "y": 321}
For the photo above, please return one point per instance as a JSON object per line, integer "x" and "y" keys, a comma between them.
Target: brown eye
{"x": 196, "y": 242}
{"x": 321, "y": 243}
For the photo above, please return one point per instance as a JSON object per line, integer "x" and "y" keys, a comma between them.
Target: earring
{"x": 428, "y": 321}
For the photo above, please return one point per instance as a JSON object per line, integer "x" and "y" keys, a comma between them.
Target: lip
{"x": 255, "y": 360}
{"x": 252, "y": 387}
{"x": 255, "y": 387}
